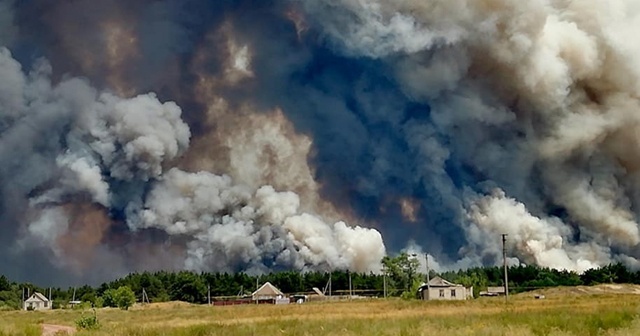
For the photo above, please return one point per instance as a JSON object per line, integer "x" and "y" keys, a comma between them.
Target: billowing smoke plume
{"x": 301, "y": 133}
{"x": 538, "y": 99}
{"x": 114, "y": 155}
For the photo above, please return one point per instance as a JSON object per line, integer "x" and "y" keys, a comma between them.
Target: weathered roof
{"x": 267, "y": 290}
{"x": 37, "y": 297}
{"x": 440, "y": 282}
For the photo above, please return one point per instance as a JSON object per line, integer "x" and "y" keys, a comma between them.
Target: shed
{"x": 37, "y": 301}
{"x": 493, "y": 291}
{"x": 267, "y": 292}
{"x": 441, "y": 289}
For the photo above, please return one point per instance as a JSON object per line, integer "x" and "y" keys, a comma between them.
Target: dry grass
{"x": 562, "y": 313}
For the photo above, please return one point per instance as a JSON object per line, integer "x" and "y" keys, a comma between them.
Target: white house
{"x": 440, "y": 289}
{"x": 269, "y": 292}
{"x": 37, "y": 301}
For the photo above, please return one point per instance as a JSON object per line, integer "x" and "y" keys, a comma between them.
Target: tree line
{"x": 400, "y": 278}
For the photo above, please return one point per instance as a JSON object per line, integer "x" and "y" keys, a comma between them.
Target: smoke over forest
{"x": 253, "y": 136}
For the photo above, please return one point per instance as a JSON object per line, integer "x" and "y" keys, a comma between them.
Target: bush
{"x": 109, "y": 298}
{"x": 89, "y": 322}
{"x": 123, "y": 297}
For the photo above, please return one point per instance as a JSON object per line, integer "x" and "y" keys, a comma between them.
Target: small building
{"x": 268, "y": 293}
{"x": 37, "y": 301}
{"x": 440, "y": 289}
{"x": 493, "y": 291}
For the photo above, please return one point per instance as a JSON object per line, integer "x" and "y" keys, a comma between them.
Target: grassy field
{"x": 561, "y": 313}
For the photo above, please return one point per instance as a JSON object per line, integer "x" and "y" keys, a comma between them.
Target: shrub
{"x": 89, "y": 322}
{"x": 99, "y": 302}
{"x": 125, "y": 297}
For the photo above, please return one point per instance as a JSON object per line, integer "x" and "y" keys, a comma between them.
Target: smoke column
{"x": 316, "y": 134}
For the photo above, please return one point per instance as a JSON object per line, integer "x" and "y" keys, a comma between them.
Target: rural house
{"x": 440, "y": 289}
{"x": 37, "y": 301}
{"x": 268, "y": 293}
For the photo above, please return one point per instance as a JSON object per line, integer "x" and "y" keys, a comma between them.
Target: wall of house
{"x": 446, "y": 293}
{"x": 37, "y": 305}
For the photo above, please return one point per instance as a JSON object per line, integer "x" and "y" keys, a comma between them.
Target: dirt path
{"x": 52, "y": 329}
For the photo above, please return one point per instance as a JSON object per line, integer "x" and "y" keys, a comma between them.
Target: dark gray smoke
{"x": 232, "y": 135}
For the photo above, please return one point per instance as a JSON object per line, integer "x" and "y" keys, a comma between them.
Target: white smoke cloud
{"x": 541, "y": 241}
{"x": 230, "y": 225}
{"x": 557, "y": 129}
{"x": 11, "y": 86}
{"x": 368, "y": 28}
{"x": 110, "y": 141}
{"x": 51, "y": 224}
{"x": 134, "y": 137}
{"x": 84, "y": 175}
{"x": 538, "y": 99}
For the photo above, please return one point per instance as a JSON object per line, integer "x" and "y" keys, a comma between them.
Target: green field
{"x": 562, "y": 312}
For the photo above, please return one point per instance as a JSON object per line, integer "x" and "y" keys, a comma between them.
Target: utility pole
{"x": 426, "y": 256}
{"x": 145, "y": 297}
{"x": 330, "y": 273}
{"x": 504, "y": 260}
{"x": 384, "y": 281}
{"x": 350, "y": 292}
{"x": 209, "y": 294}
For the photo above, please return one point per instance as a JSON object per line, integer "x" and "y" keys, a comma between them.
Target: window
{"x": 453, "y": 293}
{"x": 46, "y": 304}
{"x": 442, "y": 293}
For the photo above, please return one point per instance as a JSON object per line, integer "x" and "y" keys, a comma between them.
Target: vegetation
{"x": 123, "y": 297}
{"x": 88, "y": 322}
{"x": 560, "y": 314}
{"x": 400, "y": 275}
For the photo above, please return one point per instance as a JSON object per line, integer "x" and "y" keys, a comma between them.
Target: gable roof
{"x": 37, "y": 297}
{"x": 440, "y": 282}
{"x": 267, "y": 290}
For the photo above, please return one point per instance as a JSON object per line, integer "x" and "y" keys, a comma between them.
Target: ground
{"x": 612, "y": 310}
{"x": 53, "y": 330}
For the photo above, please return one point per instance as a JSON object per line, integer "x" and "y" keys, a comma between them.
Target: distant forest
{"x": 195, "y": 287}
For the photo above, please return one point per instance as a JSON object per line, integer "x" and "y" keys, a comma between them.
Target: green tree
{"x": 401, "y": 270}
{"x": 125, "y": 297}
{"x": 109, "y": 298}
{"x": 5, "y": 284}
{"x": 189, "y": 287}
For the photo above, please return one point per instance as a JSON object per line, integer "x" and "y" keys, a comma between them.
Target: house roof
{"x": 440, "y": 282}
{"x": 267, "y": 290}
{"x": 37, "y": 297}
